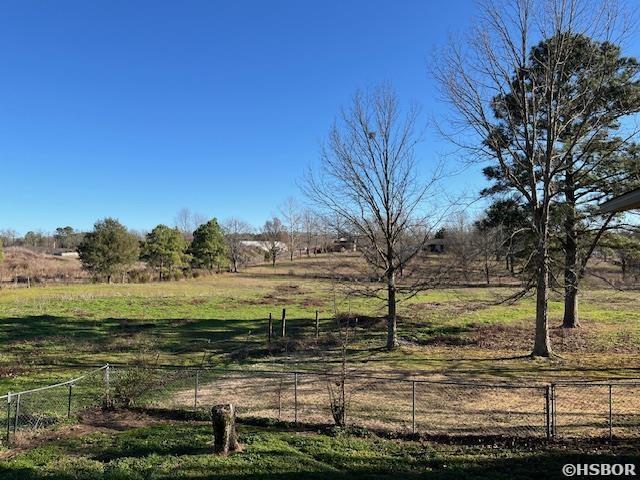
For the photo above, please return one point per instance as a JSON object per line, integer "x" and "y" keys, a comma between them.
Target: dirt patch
{"x": 518, "y": 337}
{"x": 288, "y": 289}
{"x": 313, "y": 302}
{"x": 12, "y": 371}
{"x": 198, "y": 301}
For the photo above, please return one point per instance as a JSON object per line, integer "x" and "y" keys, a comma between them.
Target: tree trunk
{"x": 542, "y": 344}
{"x": 223, "y": 418}
{"x": 570, "y": 319}
{"x": 486, "y": 269}
{"x": 392, "y": 339}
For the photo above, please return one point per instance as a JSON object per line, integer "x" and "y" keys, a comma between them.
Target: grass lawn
{"x": 221, "y": 320}
{"x": 183, "y": 450}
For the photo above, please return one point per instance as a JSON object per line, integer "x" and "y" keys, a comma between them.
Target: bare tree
{"x": 460, "y": 244}
{"x": 367, "y": 178}
{"x": 310, "y": 230}
{"x": 292, "y": 216}
{"x": 273, "y": 231}
{"x": 187, "y": 221}
{"x": 515, "y": 105}
{"x": 488, "y": 244}
{"x": 234, "y": 232}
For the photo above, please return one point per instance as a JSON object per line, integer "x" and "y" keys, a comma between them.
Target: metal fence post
{"x": 295, "y": 396}
{"x": 69, "y": 400}
{"x": 106, "y": 383}
{"x": 8, "y": 417}
{"x": 15, "y": 421}
{"x": 547, "y": 410}
{"x": 413, "y": 407}
{"x": 195, "y": 391}
{"x": 280, "y": 398}
{"x": 610, "y": 413}
{"x": 553, "y": 411}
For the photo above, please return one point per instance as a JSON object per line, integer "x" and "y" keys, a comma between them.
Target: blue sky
{"x": 134, "y": 109}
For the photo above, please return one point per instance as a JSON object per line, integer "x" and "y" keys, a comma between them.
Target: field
{"x": 57, "y": 331}
{"x": 222, "y": 320}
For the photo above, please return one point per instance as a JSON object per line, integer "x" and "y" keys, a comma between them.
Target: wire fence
{"x": 437, "y": 408}
{"x": 446, "y": 408}
{"x": 32, "y": 410}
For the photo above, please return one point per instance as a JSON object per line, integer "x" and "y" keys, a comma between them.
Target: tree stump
{"x": 223, "y": 418}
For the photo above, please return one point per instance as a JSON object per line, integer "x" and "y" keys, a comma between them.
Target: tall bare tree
{"x": 292, "y": 216}
{"x": 516, "y": 105}
{"x": 234, "y": 232}
{"x": 310, "y": 230}
{"x": 187, "y": 221}
{"x": 367, "y": 178}
{"x": 273, "y": 232}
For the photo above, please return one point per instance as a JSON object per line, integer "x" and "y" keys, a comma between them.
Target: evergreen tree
{"x": 109, "y": 249}
{"x": 208, "y": 247}
{"x": 595, "y": 89}
{"x": 164, "y": 249}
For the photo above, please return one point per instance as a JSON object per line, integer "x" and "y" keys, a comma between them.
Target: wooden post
{"x": 223, "y": 419}
{"x": 317, "y": 326}
{"x": 283, "y": 333}
{"x": 270, "y": 331}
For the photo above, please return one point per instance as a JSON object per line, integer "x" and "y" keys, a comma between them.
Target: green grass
{"x": 173, "y": 451}
{"x": 53, "y": 333}
{"x": 221, "y": 320}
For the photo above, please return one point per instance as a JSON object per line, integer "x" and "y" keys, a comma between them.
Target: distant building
{"x": 435, "y": 245}
{"x": 344, "y": 244}
{"x": 59, "y": 252}
{"x": 263, "y": 245}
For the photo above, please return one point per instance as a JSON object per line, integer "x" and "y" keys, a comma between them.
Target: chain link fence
{"x": 404, "y": 405}
{"x": 32, "y": 410}
{"x": 436, "y": 408}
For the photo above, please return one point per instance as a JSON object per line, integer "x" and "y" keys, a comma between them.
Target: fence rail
{"x": 42, "y": 407}
{"x": 431, "y": 407}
